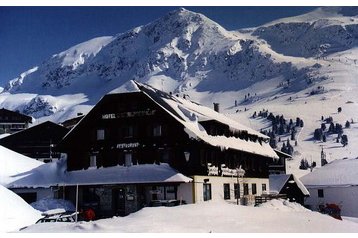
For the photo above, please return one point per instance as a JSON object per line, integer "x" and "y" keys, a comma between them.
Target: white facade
{"x": 345, "y": 197}
{"x": 194, "y": 192}
{"x": 337, "y": 183}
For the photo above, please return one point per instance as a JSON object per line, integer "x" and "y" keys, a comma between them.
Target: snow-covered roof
{"x": 338, "y": 173}
{"x": 52, "y": 174}
{"x": 145, "y": 173}
{"x": 189, "y": 113}
{"x": 278, "y": 181}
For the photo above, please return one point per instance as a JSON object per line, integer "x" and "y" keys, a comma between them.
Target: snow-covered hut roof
{"x": 338, "y": 173}
{"x": 189, "y": 115}
{"x": 278, "y": 181}
{"x": 145, "y": 173}
{"x": 53, "y": 174}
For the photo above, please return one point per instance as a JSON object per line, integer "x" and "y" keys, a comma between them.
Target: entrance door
{"x": 207, "y": 191}
{"x": 119, "y": 198}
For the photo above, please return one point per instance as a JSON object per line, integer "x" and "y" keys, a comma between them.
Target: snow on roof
{"x": 15, "y": 212}
{"x": 278, "y": 181}
{"x": 188, "y": 114}
{"x": 145, "y": 173}
{"x": 339, "y": 173}
{"x": 128, "y": 87}
{"x": 53, "y": 174}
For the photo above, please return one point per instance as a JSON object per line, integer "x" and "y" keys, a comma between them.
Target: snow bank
{"x": 284, "y": 205}
{"x": 15, "y": 212}
{"x": 213, "y": 217}
{"x": 13, "y": 163}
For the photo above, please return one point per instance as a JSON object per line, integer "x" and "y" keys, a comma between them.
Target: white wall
{"x": 185, "y": 192}
{"x": 217, "y": 187}
{"x": 345, "y": 197}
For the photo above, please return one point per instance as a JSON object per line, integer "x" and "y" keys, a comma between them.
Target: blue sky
{"x": 30, "y": 35}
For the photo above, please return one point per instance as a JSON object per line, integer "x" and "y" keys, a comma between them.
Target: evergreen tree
{"x": 293, "y": 135}
{"x": 323, "y": 126}
{"x": 281, "y": 129}
{"x": 271, "y": 117}
{"x": 284, "y": 148}
{"x": 339, "y": 129}
{"x": 318, "y": 134}
{"x": 331, "y": 128}
{"x": 344, "y": 140}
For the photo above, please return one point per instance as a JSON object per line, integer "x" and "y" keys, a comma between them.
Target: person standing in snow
{"x": 89, "y": 214}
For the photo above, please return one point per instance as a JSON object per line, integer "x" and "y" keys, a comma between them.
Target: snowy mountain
{"x": 299, "y": 66}
{"x": 181, "y": 51}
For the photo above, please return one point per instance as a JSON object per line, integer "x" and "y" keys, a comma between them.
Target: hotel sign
{"x": 128, "y": 114}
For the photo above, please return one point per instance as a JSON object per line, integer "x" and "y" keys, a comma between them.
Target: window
{"x": 320, "y": 193}
{"x": 207, "y": 191}
{"x": 246, "y": 189}
{"x": 226, "y": 191}
{"x": 157, "y": 130}
{"x": 237, "y": 190}
{"x": 100, "y": 134}
{"x": 128, "y": 131}
{"x": 93, "y": 161}
{"x": 128, "y": 159}
{"x": 263, "y": 187}
{"x": 254, "y": 190}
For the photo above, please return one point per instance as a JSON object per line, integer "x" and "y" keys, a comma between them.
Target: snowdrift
{"x": 15, "y": 212}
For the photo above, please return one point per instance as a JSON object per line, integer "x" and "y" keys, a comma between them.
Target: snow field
{"x": 211, "y": 217}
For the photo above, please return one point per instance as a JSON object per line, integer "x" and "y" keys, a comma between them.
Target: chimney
{"x": 216, "y": 107}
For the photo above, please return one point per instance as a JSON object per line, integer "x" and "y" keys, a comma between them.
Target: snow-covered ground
{"x": 211, "y": 217}
{"x": 15, "y": 212}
